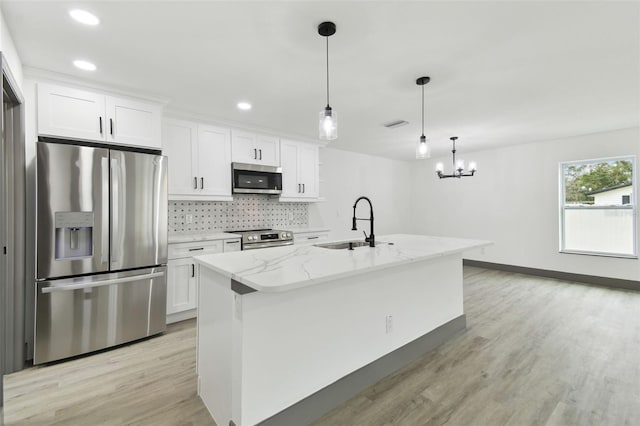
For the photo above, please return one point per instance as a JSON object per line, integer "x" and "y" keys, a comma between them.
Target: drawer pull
{"x": 196, "y": 249}
{"x": 232, "y": 242}
{"x": 312, "y": 238}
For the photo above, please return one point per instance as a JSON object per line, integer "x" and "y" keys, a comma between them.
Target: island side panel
{"x": 215, "y": 349}
{"x": 297, "y": 342}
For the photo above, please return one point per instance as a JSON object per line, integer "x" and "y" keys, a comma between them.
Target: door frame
{"x": 12, "y": 226}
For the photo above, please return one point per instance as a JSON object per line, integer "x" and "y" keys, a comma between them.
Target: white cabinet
{"x": 299, "y": 170}
{"x": 133, "y": 122}
{"x": 254, "y": 148}
{"x": 302, "y": 237}
{"x": 181, "y": 286}
{"x": 199, "y": 160}
{"x": 182, "y": 272}
{"x": 81, "y": 114}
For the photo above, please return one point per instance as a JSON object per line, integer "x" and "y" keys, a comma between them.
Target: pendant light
{"x": 422, "y": 150}
{"x": 328, "y": 125}
{"x": 458, "y": 167}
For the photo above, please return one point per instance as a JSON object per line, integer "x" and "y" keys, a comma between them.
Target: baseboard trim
{"x": 565, "y": 276}
{"x": 315, "y": 406}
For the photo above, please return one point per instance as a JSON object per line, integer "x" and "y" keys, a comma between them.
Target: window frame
{"x": 633, "y": 206}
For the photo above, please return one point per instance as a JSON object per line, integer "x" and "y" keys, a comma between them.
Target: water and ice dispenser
{"x": 74, "y": 235}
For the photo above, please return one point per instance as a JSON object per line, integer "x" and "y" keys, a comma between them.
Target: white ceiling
{"x": 501, "y": 72}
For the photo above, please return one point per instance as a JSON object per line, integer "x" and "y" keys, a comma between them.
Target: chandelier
{"x": 458, "y": 167}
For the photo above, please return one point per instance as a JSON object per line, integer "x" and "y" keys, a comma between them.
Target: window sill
{"x": 591, "y": 253}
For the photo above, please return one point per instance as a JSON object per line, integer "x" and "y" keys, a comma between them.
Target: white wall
{"x": 513, "y": 201}
{"x": 344, "y": 176}
{"x": 9, "y": 50}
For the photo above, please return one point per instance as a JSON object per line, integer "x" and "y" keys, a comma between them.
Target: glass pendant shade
{"x": 328, "y": 124}
{"x": 422, "y": 149}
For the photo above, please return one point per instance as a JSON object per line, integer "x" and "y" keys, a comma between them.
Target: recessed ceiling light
{"x": 84, "y": 17}
{"x": 245, "y": 106}
{"x": 84, "y": 65}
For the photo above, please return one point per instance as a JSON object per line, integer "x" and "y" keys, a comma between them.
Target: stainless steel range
{"x": 264, "y": 238}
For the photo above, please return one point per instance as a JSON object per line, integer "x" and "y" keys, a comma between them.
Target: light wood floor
{"x": 536, "y": 352}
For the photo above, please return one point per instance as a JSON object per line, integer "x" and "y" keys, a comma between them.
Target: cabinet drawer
{"x": 197, "y": 248}
{"x": 232, "y": 245}
{"x": 310, "y": 237}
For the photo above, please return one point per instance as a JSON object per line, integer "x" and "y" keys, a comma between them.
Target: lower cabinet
{"x": 182, "y": 273}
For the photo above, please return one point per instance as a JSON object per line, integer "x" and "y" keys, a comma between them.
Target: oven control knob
{"x": 250, "y": 237}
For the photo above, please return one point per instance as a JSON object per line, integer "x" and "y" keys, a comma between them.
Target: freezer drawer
{"x": 79, "y": 315}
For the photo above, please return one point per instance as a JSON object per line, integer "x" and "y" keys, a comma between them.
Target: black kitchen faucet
{"x": 371, "y": 239}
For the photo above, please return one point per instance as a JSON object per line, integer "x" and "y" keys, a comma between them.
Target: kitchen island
{"x": 287, "y": 333}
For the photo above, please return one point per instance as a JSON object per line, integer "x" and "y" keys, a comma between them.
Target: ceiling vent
{"x": 395, "y": 124}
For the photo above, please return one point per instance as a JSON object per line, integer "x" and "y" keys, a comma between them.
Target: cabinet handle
{"x": 255, "y": 154}
{"x": 195, "y": 183}
{"x": 260, "y": 154}
{"x": 303, "y": 189}
{"x": 312, "y": 238}
{"x": 196, "y": 249}
{"x": 100, "y": 118}
{"x": 232, "y": 242}
{"x": 201, "y": 183}
{"x": 111, "y": 126}
{"x": 299, "y": 188}
{"x": 193, "y": 270}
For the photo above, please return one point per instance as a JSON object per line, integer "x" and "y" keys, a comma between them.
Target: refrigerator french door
{"x": 101, "y": 248}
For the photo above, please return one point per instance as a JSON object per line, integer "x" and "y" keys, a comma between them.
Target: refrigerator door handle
{"x": 104, "y": 246}
{"x": 79, "y": 286}
{"x": 115, "y": 210}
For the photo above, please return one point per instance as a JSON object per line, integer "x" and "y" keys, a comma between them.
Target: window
{"x": 598, "y": 207}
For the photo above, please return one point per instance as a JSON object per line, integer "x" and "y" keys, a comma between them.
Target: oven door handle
{"x": 265, "y": 245}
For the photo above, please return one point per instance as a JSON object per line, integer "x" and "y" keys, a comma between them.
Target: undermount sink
{"x": 345, "y": 244}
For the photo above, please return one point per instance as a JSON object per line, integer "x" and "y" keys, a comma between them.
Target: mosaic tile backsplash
{"x": 244, "y": 212}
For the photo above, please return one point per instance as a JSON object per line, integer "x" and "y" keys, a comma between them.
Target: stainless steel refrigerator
{"x": 101, "y": 249}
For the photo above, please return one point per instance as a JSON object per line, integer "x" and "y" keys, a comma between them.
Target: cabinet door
{"x": 181, "y": 285}
{"x": 291, "y": 186}
{"x": 72, "y": 113}
{"x": 308, "y": 169}
{"x": 268, "y": 150}
{"x": 214, "y": 161}
{"x": 244, "y": 148}
{"x": 133, "y": 123}
{"x": 180, "y": 145}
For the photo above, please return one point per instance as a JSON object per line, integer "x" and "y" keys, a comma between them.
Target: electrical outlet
{"x": 389, "y": 323}
{"x": 188, "y": 218}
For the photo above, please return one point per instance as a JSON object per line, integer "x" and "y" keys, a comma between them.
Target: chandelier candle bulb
{"x": 439, "y": 167}
{"x": 473, "y": 166}
{"x": 460, "y": 165}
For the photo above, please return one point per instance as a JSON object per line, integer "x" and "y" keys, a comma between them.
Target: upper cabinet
{"x": 81, "y": 114}
{"x": 199, "y": 160}
{"x": 300, "y": 175}
{"x": 254, "y": 148}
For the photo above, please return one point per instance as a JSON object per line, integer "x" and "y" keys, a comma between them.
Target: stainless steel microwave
{"x": 255, "y": 179}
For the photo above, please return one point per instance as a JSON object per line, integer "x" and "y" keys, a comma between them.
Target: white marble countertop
{"x": 286, "y": 268}
{"x": 188, "y": 238}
